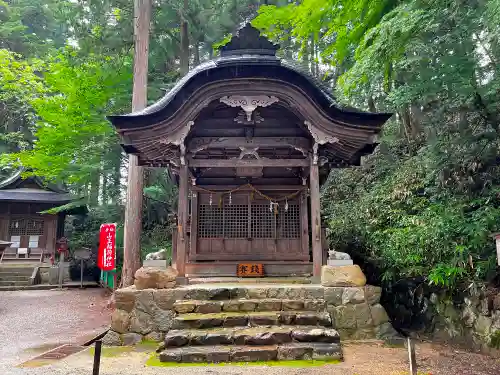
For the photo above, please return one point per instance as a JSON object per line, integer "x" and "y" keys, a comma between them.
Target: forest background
{"x": 423, "y": 206}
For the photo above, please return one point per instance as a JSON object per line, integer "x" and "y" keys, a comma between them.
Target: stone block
{"x": 333, "y": 296}
{"x": 386, "y": 331}
{"x": 208, "y": 307}
{"x": 314, "y": 292}
{"x": 220, "y": 294}
{"x": 322, "y": 351}
{"x": 325, "y": 335}
{"x": 314, "y": 305}
{"x": 237, "y": 293}
{"x": 112, "y": 339}
{"x": 236, "y": 321}
{"x": 292, "y": 305}
{"x": 269, "y": 305}
{"x": 125, "y": 298}
{"x": 469, "y": 315}
{"x": 482, "y": 326}
{"x": 120, "y": 321}
{"x": 247, "y": 305}
{"x": 175, "y": 338}
{"x": 231, "y": 306}
{"x": 141, "y": 322}
{"x": 184, "y": 307}
{"x": 255, "y": 336}
{"x": 342, "y": 276}
{"x": 219, "y": 355}
{"x": 363, "y": 315}
{"x": 372, "y": 294}
{"x": 353, "y": 295}
{"x": 287, "y": 317}
{"x": 295, "y": 351}
{"x": 379, "y": 315}
{"x": 294, "y": 293}
{"x": 339, "y": 262}
{"x": 156, "y": 278}
{"x": 163, "y": 319}
{"x": 166, "y": 298}
{"x": 363, "y": 334}
{"x": 144, "y": 301}
{"x": 194, "y": 355}
{"x": 218, "y": 337}
{"x": 131, "y": 338}
{"x": 257, "y": 293}
{"x": 344, "y": 317}
{"x": 253, "y": 354}
{"x": 171, "y": 355}
{"x": 263, "y": 320}
{"x": 496, "y": 302}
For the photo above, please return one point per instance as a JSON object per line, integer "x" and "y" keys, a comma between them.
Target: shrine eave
{"x": 254, "y": 67}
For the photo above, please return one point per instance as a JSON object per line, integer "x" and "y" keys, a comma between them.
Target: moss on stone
{"x": 495, "y": 340}
{"x": 154, "y": 361}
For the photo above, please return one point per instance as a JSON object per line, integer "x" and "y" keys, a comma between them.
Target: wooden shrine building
{"x": 250, "y": 138}
{"x": 32, "y": 235}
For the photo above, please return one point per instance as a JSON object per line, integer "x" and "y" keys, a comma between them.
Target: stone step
{"x": 220, "y": 354}
{"x": 244, "y": 305}
{"x": 15, "y": 277}
{"x": 16, "y": 272}
{"x": 249, "y": 336}
{"x": 222, "y": 292}
{"x": 253, "y": 319}
{"x": 13, "y": 283}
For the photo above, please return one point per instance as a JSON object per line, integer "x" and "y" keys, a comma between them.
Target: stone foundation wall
{"x": 470, "y": 320}
{"x": 148, "y": 314}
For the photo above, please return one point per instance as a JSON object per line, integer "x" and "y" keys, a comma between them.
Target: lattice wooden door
{"x": 241, "y": 227}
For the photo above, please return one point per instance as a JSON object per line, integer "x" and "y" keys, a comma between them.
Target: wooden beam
{"x": 235, "y": 163}
{"x": 182, "y": 213}
{"x": 201, "y": 143}
{"x": 194, "y": 224}
{"x": 259, "y": 187}
{"x": 317, "y": 248}
{"x": 304, "y": 223}
{"x": 133, "y": 208}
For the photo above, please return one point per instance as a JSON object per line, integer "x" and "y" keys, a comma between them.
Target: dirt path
{"x": 35, "y": 321}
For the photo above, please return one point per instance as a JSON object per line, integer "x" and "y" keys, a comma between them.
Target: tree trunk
{"x": 133, "y": 210}
{"x": 184, "y": 56}
{"x": 196, "y": 61}
{"x": 94, "y": 188}
{"x": 371, "y": 104}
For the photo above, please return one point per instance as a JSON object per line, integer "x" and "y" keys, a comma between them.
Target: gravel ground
{"x": 32, "y": 322}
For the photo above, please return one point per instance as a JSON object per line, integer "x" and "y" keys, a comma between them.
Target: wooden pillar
{"x": 304, "y": 224}
{"x": 133, "y": 208}
{"x": 317, "y": 248}
{"x": 194, "y": 223}
{"x": 182, "y": 214}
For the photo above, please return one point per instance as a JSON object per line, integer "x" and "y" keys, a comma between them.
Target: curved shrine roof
{"x": 251, "y": 59}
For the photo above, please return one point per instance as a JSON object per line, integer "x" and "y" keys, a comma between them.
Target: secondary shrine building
{"x": 250, "y": 138}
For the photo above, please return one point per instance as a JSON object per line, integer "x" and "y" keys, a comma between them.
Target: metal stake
{"x": 97, "y": 357}
{"x": 61, "y": 268}
{"x": 81, "y": 273}
{"x": 411, "y": 355}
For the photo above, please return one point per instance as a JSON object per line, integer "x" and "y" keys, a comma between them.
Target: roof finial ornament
{"x": 248, "y": 41}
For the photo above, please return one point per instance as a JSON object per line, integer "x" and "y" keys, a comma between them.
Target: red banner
{"x": 107, "y": 247}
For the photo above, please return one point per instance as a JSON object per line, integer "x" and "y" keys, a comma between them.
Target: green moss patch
{"x": 495, "y": 340}
{"x": 112, "y": 351}
{"x": 154, "y": 361}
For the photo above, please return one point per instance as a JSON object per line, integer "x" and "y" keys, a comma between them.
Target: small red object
{"x": 107, "y": 247}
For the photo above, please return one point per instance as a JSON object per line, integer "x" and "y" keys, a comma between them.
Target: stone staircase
{"x": 15, "y": 275}
{"x": 247, "y": 324}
